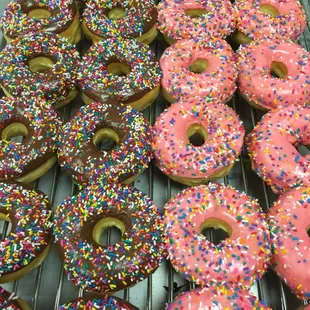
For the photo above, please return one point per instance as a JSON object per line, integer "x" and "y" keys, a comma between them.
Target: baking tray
{"x": 47, "y": 287}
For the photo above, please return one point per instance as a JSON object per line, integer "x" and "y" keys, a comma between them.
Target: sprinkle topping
{"x": 114, "y": 267}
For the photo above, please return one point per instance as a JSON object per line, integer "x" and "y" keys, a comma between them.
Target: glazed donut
{"x": 123, "y": 69}
{"x": 289, "y": 220}
{"x": 219, "y": 134}
{"x": 260, "y": 19}
{"x": 28, "y": 242}
{"x": 83, "y": 161}
{"x": 216, "y": 298}
{"x": 198, "y": 68}
{"x": 195, "y": 19}
{"x": 274, "y": 73}
{"x": 42, "y": 61}
{"x": 272, "y": 148}
{"x": 240, "y": 259}
{"x": 79, "y": 222}
{"x": 40, "y": 126}
{"x": 8, "y": 301}
{"x": 23, "y": 17}
{"x": 133, "y": 19}
{"x": 98, "y": 302}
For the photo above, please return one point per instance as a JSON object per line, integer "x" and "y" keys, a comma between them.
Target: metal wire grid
{"x": 47, "y": 287}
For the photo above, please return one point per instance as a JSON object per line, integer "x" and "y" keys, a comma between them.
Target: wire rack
{"x": 47, "y": 287}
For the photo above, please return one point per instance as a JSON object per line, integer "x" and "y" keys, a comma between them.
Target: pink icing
{"x": 255, "y": 24}
{"x": 218, "y": 21}
{"x": 218, "y": 80}
{"x": 289, "y": 220}
{"x": 258, "y": 86}
{"x": 176, "y": 156}
{"x": 272, "y": 147}
{"x": 216, "y": 299}
{"x": 240, "y": 259}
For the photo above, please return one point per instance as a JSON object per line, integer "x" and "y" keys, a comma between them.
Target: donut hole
{"x": 40, "y": 64}
{"x": 39, "y": 14}
{"x": 15, "y": 132}
{"x": 199, "y": 66}
{"x": 197, "y": 134}
{"x": 194, "y": 13}
{"x": 269, "y": 9}
{"x": 278, "y": 70}
{"x": 118, "y": 68}
{"x": 218, "y": 229}
{"x": 116, "y": 13}
{"x": 308, "y": 231}
{"x": 108, "y": 231}
{"x": 105, "y": 139}
{"x": 5, "y": 225}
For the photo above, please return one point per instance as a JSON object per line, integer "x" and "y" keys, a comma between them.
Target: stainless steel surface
{"x": 47, "y": 287}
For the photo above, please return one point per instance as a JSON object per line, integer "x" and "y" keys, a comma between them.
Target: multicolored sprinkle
{"x": 114, "y": 267}
{"x": 9, "y": 301}
{"x": 240, "y": 259}
{"x": 289, "y": 220}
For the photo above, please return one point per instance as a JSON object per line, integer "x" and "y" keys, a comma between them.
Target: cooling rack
{"x": 46, "y": 287}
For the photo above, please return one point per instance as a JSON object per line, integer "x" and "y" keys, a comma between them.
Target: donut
{"x": 40, "y": 62}
{"x": 195, "y": 19}
{"x": 9, "y": 301}
{"x": 135, "y": 19}
{"x": 79, "y": 222}
{"x": 127, "y": 128}
{"x": 272, "y": 148}
{"x": 274, "y": 73}
{"x": 289, "y": 220}
{"x": 98, "y": 302}
{"x": 260, "y": 19}
{"x": 198, "y": 68}
{"x": 196, "y": 140}
{"x": 216, "y": 298}
{"x": 29, "y": 240}
{"x": 40, "y": 126}
{"x": 23, "y": 17}
{"x": 305, "y": 307}
{"x": 239, "y": 259}
{"x": 123, "y": 69}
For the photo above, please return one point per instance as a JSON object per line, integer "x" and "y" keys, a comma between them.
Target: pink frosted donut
{"x": 285, "y": 59}
{"x": 184, "y": 19}
{"x": 220, "y": 134}
{"x": 216, "y": 298}
{"x": 272, "y": 148}
{"x": 289, "y": 220}
{"x": 239, "y": 259}
{"x": 198, "y": 68}
{"x": 285, "y": 18}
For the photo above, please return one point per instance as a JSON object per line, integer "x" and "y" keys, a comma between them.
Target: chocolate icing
{"x": 5, "y": 303}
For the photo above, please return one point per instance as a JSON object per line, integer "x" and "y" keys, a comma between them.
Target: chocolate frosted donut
{"x": 98, "y": 302}
{"x": 8, "y": 301}
{"x": 40, "y": 126}
{"x": 22, "y": 17}
{"x": 133, "y": 19}
{"x": 28, "y": 242}
{"x": 79, "y": 223}
{"x": 79, "y": 156}
{"x": 123, "y": 69}
{"x": 40, "y": 62}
